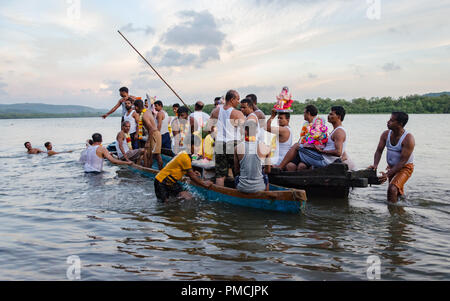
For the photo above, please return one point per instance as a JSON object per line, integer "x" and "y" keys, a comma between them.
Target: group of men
{"x": 239, "y": 143}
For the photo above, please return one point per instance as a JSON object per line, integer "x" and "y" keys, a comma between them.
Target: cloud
{"x": 129, "y": 28}
{"x": 200, "y": 28}
{"x": 110, "y": 86}
{"x": 174, "y": 58}
{"x": 146, "y": 83}
{"x": 390, "y": 67}
{"x": 2, "y": 86}
{"x": 195, "y": 41}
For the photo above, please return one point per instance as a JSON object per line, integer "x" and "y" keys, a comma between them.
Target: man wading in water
{"x": 400, "y": 158}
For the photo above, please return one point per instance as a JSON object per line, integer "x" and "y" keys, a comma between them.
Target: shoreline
{"x": 99, "y": 116}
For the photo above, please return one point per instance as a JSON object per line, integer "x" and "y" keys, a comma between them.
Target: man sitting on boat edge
{"x": 166, "y": 181}
{"x": 305, "y": 156}
{"x": 125, "y": 151}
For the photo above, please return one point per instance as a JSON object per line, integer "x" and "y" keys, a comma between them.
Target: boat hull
{"x": 277, "y": 199}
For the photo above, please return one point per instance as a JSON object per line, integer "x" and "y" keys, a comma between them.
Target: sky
{"x": 69, "y": 51}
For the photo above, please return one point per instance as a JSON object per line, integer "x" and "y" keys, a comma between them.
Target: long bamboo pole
{"x": 176, "y": 94}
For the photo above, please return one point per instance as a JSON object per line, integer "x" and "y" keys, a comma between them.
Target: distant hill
{"x": 41, "y": 110}
{"x": 436, "y": 94}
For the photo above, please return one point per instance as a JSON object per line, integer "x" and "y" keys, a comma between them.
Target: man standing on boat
{"x": 283, "y": 134}
{"x": 162, "y": 121}
{"x": 247, "y": 110}
{"x": 200, "y": 117}
{"x": 125, "y": 152}
{"x": 228, "y": 121}
{"x": 124, "y": 96}
{"x": 400, "y": 157}
{"x": 153, "y": 144}
{"x": 310, "y": 155}
{"x": 166, "y": 181}
{"x": 258, "y": 112}
{"x": 181, "y": 128}
{"x": 133, "y": 118}
{"x": 93, "y": 156}
{"x": 249, "y": 156}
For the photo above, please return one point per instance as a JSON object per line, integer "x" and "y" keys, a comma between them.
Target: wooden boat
{"x": 277, "y": 199}
{"x": 335, "y": 180}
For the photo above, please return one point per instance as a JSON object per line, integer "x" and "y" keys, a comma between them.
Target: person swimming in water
{"x": 51, "y": 152}
{"x": 31, "y": 150}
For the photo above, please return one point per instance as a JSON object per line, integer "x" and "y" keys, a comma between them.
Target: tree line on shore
{"x": 414, "y": 104}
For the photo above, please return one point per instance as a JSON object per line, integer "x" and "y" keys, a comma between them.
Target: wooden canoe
{"x": 277, "y": 199}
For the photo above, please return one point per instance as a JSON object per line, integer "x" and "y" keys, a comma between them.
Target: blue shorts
{"x": 311, "y": 157}
{"x": 166, "y": 142}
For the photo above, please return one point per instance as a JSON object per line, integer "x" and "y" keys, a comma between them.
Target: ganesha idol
{"x": 284, "y": 100}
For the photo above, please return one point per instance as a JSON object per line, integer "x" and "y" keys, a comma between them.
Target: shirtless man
{"x": 124, "y": 96}
{"x": 400, "y": 158}
{"x": 95, "y": 153}
{"x": 51, "y": 152}
{"x": 153, "y": 144}
{"x": 228, "y": 121}
{"x": 30, "y": 150}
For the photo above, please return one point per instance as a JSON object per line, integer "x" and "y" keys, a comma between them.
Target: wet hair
{"x": 401, "y": 117}
{"x": 340, "y": 111}
{"x": 182, "y": 110}
{"x": 97, "y": 137}
{"x": 159, "y": 103}
{"x": 25, "y": 144}
{"x": 46, "y": 144}
{"x": 198, "y": 106}
{"x": 248, "y": 101}
{"x": 123, "y": 89}
{"x": 311, "y": 109}
{"x": 177, "y": 105}
{"x": 286, "y": 114}
{"x": 125, "y": 123}
{"x": 253, "y": 98}
{"x": 139, "y": 103}
{"x": 230, "y": 95}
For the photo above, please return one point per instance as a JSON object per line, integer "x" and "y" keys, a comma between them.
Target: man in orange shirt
{"x": 166, "y": 181}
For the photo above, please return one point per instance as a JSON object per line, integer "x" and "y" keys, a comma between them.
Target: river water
{"x": 49, "y": 210}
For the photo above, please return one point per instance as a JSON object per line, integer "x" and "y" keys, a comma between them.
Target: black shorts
{"x": 224, "y": 154}
{"x": 164, "y": 191}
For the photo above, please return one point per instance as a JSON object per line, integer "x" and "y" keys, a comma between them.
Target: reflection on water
{"x": 50, "y": 209}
